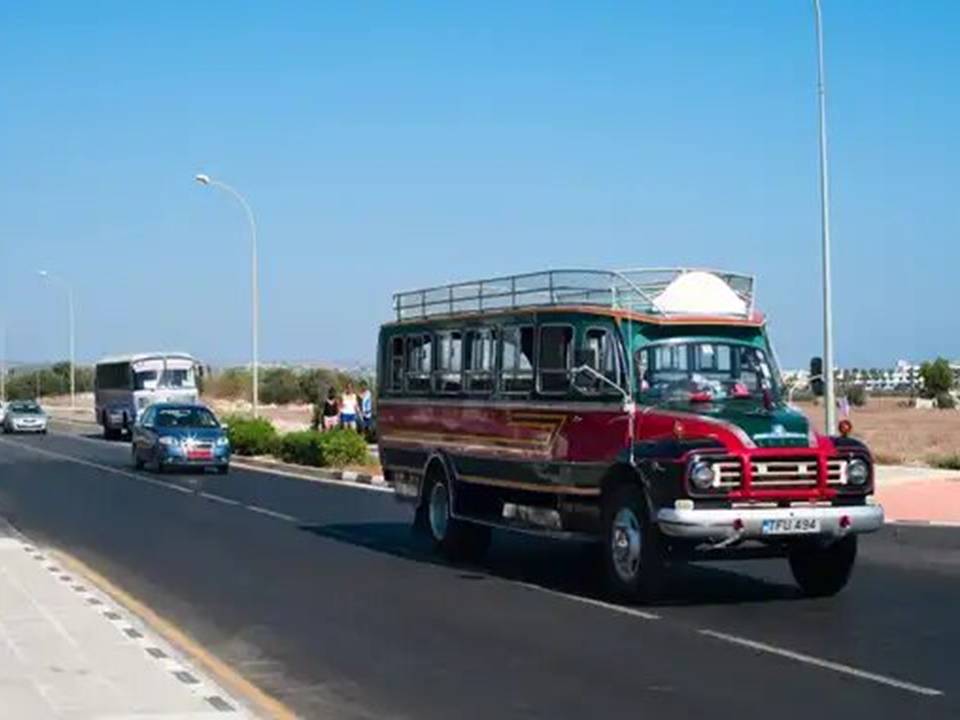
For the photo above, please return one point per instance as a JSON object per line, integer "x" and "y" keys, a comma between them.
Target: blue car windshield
{"x": 191, "y": 417}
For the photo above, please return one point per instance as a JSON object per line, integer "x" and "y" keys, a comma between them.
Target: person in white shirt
{"x": 348, "y": 408}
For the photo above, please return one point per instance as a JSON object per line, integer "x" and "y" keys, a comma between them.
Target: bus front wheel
{"x": 821, "y": 571}
{"x": 633, "y": 549}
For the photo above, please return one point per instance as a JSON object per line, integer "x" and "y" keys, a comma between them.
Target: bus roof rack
{"x": 667, "y": 292}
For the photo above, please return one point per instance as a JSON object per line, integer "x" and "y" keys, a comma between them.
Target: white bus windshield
{"x": 169, "y": 378}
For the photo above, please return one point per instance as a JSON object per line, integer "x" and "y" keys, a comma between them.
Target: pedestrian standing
{"x": 348, "y": 408}
{"x": 366, "y": 407}
{"x": 331, "y": 410}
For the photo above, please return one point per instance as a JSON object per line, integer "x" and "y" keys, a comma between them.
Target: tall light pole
{"x": 73, "y": 365}
{"x": 3, "y": 360}
{"x": 254, "y": 286}
{"x": 829, "y": 398}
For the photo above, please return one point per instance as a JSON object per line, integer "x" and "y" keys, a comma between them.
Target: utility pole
{"x": 829, "y": 395}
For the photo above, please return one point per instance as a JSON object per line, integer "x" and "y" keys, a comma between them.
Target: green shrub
{"x": 946, "y": 462}
{"x": 945, "y": 401}
{"x": 279, "y": 386}
{"x": 334, "y": 448}
{"x": 229, "y": 383}
{"x": 344, "y": 447}
{"x": 857, "y": 395}
{"x": 937, "y": 377}
{"x": 251, "y": 436}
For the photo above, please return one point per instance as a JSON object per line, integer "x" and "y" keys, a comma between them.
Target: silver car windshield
{"x": 25, "y": 409}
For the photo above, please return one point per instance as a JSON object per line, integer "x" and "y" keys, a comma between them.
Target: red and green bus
{"x": 639, "y": 408}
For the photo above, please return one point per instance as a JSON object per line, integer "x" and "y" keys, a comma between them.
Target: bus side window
{"x": 449, "y": 362}
{"x": 600, "y": 348}
{"x": 419, "y": 363}
{"x": 516, "y": 359}
{"x": 479, "y": 362}
{"x": 396, "y": 364}
{"x": 556, "y": 358}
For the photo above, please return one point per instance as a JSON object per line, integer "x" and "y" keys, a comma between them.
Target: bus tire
{"x": 632, "y": 546}
{"x": 455, "y": 539}
{"x": 821, "y": 571}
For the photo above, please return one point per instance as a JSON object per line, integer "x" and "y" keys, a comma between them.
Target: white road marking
{"x": 271, "y": 513}
{"x": 98, "y": 466}
{"x": 623, "y": 609}
{"x": 821, "y": 663}
{"x": 220, "y": 499}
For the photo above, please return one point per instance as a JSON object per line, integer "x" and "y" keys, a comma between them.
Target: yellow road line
{"x": 223, "y": 673}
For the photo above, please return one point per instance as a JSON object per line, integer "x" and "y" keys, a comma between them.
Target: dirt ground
{"x": 286, "y": 418}
{"x": 897, "y": 433}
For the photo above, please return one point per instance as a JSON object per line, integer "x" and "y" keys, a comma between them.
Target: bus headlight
{"x": 858, "y": 472}
{"x": 701, "y": 475}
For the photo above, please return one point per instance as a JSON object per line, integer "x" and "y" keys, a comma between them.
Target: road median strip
{"x": 266, "y": 463}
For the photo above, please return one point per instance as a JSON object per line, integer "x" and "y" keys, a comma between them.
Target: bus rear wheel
{"x": 455, "y": 539}
{"x": 820, "y": 570}
{"x": 633, "y": 552}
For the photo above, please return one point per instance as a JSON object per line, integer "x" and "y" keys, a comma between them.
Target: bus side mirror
{"x": 816, "y": 376}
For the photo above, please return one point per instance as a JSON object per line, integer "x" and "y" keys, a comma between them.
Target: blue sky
{"x": 389, "y": 145}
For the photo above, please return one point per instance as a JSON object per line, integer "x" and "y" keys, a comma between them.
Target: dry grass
{"x": 898, "y": 434}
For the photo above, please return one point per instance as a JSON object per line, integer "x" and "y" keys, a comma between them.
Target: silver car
{"x": 24, "y": 416}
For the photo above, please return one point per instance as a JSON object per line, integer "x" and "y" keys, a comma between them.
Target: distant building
{"x": 903, "y": 377}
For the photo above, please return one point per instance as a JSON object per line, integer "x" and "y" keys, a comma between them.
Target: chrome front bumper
{"x": 722, "y": 524}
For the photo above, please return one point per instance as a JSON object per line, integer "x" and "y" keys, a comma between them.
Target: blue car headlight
{"x": 169, "y": 441}
{"x": 223, "y": 441}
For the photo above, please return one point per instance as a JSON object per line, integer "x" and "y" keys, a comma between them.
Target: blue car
{"x": 180, "y": 435}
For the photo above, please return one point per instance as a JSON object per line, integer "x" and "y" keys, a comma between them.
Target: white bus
{"x": 125, "y": 385}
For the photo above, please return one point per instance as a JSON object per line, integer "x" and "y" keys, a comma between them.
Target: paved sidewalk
{"x": 68, "y": 651}
{"x": 918, "y": 494}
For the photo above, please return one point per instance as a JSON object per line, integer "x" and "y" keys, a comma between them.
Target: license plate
{"x": 790, "y": 526}
{"x": 199, "y": 454}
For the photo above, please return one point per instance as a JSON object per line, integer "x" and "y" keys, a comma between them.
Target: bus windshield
{"x": 169, "y": 378}
{"x": 704, "y": 371}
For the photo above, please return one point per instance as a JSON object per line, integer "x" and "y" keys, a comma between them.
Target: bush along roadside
{"x": 946, "y": 462}
{"x": 251, "y": 436}
{"x": 334, "y": 448}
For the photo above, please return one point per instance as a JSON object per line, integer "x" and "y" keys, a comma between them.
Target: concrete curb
{"x": 268, "y": 463}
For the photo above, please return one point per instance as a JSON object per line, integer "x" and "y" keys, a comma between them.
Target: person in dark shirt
{"x": 331, "y": 410}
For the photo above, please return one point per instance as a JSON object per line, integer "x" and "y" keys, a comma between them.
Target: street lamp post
{"x": 73, "y": 364}
{"x": 255, "y": 292}
{"x": 3, "y": 361}
{"x": 829, "y": 395}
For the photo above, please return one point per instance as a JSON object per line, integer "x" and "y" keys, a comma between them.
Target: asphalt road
{"x": 322, "y": 596}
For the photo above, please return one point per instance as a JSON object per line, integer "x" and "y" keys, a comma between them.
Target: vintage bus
{"x": 642, "y": 409}
{"x": 124, "y": 385}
